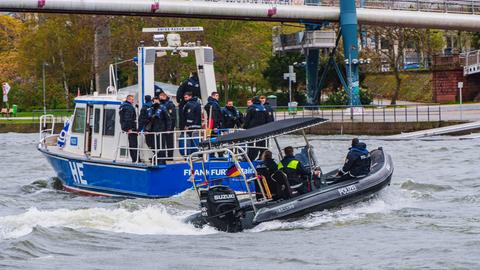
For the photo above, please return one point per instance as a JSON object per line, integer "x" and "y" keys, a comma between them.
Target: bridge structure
{"x": 437, "y": 14}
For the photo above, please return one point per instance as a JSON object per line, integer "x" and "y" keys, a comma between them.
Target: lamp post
{"x": 44, "y": 64}
{"x": 460, "y": 87}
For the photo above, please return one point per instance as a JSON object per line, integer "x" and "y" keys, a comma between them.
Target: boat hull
{"x": 96, "y": 178}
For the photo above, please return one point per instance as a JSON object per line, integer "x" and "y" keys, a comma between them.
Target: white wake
{"x": 147, "y": 220}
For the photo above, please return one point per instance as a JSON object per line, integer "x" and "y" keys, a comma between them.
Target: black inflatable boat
{"x": 228, "y": 211}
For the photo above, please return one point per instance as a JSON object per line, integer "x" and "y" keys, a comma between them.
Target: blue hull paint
{"x": 133, "y": 181}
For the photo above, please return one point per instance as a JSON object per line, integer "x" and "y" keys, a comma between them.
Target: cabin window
{"x": 109, "y": 122}
{"x": 96, "y": 121}
{"x": 79, "y": 121}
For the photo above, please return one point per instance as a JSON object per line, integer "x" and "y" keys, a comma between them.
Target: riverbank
{"x": 381, "y": 129}
{"x": 330, "y": 128}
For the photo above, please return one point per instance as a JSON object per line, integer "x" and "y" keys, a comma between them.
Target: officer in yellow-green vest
{"x": 297, "y": 175}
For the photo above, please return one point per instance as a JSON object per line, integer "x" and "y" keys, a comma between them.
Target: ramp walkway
{"x": 435, "y": 131}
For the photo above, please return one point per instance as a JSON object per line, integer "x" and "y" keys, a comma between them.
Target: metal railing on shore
{"x": 366, "y": 113}
{"x": 334, "y": 113}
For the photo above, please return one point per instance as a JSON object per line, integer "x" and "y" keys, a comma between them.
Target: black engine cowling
{"x": 221, "y": 209}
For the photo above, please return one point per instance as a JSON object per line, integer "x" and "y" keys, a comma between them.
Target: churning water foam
{"x": 148, "y": 220}
{"x": 383, "y": 203}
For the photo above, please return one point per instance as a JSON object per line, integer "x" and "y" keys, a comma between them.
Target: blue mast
{"x": 349, "y": 24}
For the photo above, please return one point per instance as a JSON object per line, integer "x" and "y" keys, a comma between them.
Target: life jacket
{"x": 290, "y": 167}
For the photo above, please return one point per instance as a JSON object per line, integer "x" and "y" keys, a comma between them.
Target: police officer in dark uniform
{"x": 297, "y": 175}
{"x": 143, "y": 117}
{"x": 214, "y": 111}
{"x": 128, "y": 123}
{"x": 157, "y": 90}
{"x": 191, "y": 85}
{"x": 256, "y": 116}
{"x": 192, "y": 112}
{"x": 268, "y": 108}
{"x": 266, "y": 168}
{"x": 232, "y": 117}
{"x": 357, "y": 162}
{"x": 160, "y": 122}
{"x": 172, "y": 112}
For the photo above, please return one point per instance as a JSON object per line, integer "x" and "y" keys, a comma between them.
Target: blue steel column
{"x": 312, "y": 62}
{"x": 349, "y": 24}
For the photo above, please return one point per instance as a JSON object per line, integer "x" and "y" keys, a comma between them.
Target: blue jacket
{"x": 189, "y": 85}
{"x": 358, "y": 161}
{"x": 269, "y": 109}
{"x": 231, "y": 117}
{"x": 159, "y": 119}
{"x": 143, "y": 118}
{"x": 128, "y": 116}
{"x": 216, "y": 113}
{"x": 192, "y": 114}
{"x": 257, "y": 115}
{"x": 172, "y": 112}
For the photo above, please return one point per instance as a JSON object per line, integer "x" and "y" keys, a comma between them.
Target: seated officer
{"x": 266, "y": 168}
{"x": 296, "y": 173}
{"x": 357, "y": 162}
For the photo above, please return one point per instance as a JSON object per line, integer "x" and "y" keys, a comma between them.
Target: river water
{"x": 427, "y": 219}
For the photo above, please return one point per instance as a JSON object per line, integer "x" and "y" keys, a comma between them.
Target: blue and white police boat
{"x": 91, "y": 154}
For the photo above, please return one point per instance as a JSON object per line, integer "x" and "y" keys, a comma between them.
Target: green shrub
{"x": 340, "y": 97}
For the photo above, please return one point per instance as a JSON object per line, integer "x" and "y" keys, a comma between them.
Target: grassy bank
{"x": 415, "y": 86}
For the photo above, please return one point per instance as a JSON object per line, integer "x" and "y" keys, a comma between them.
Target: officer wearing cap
{"x": 172, "y": 112}
{"x": 143, "y": 117}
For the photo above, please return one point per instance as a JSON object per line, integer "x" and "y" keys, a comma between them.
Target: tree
{"x": 11, "y": 31}
{"x": 65, "y": 43}
{"x": 396, "y": 40}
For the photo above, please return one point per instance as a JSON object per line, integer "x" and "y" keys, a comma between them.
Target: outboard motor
{"x": 221, "y": 209}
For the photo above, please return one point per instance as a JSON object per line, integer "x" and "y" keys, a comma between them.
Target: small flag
{"x": 233, "y": 171}
{"x": 210, "y": 123}
{"x": 78, "y": 92}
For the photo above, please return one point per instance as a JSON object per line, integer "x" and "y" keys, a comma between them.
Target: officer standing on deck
{"x": 214, "y": 111}
{"x": 268, "y": 108}
{"x": 256, "y": 116}
{"x": 128, "y": 123}
{"x": 143, "y": 117}
{"x": 191, "y": 85}
{"x": 192, "y": 112}
{"x": 160, "y": 122}
{"x": 232, "y": 117}
{"x": 172, "y": 112}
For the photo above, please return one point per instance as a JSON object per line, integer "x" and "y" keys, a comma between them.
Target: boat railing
{"x": 235, "y": 153}
{"x": 112, "y": 88}
{"x": 46, "y": 126}
{"x": 153, "y": 147}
